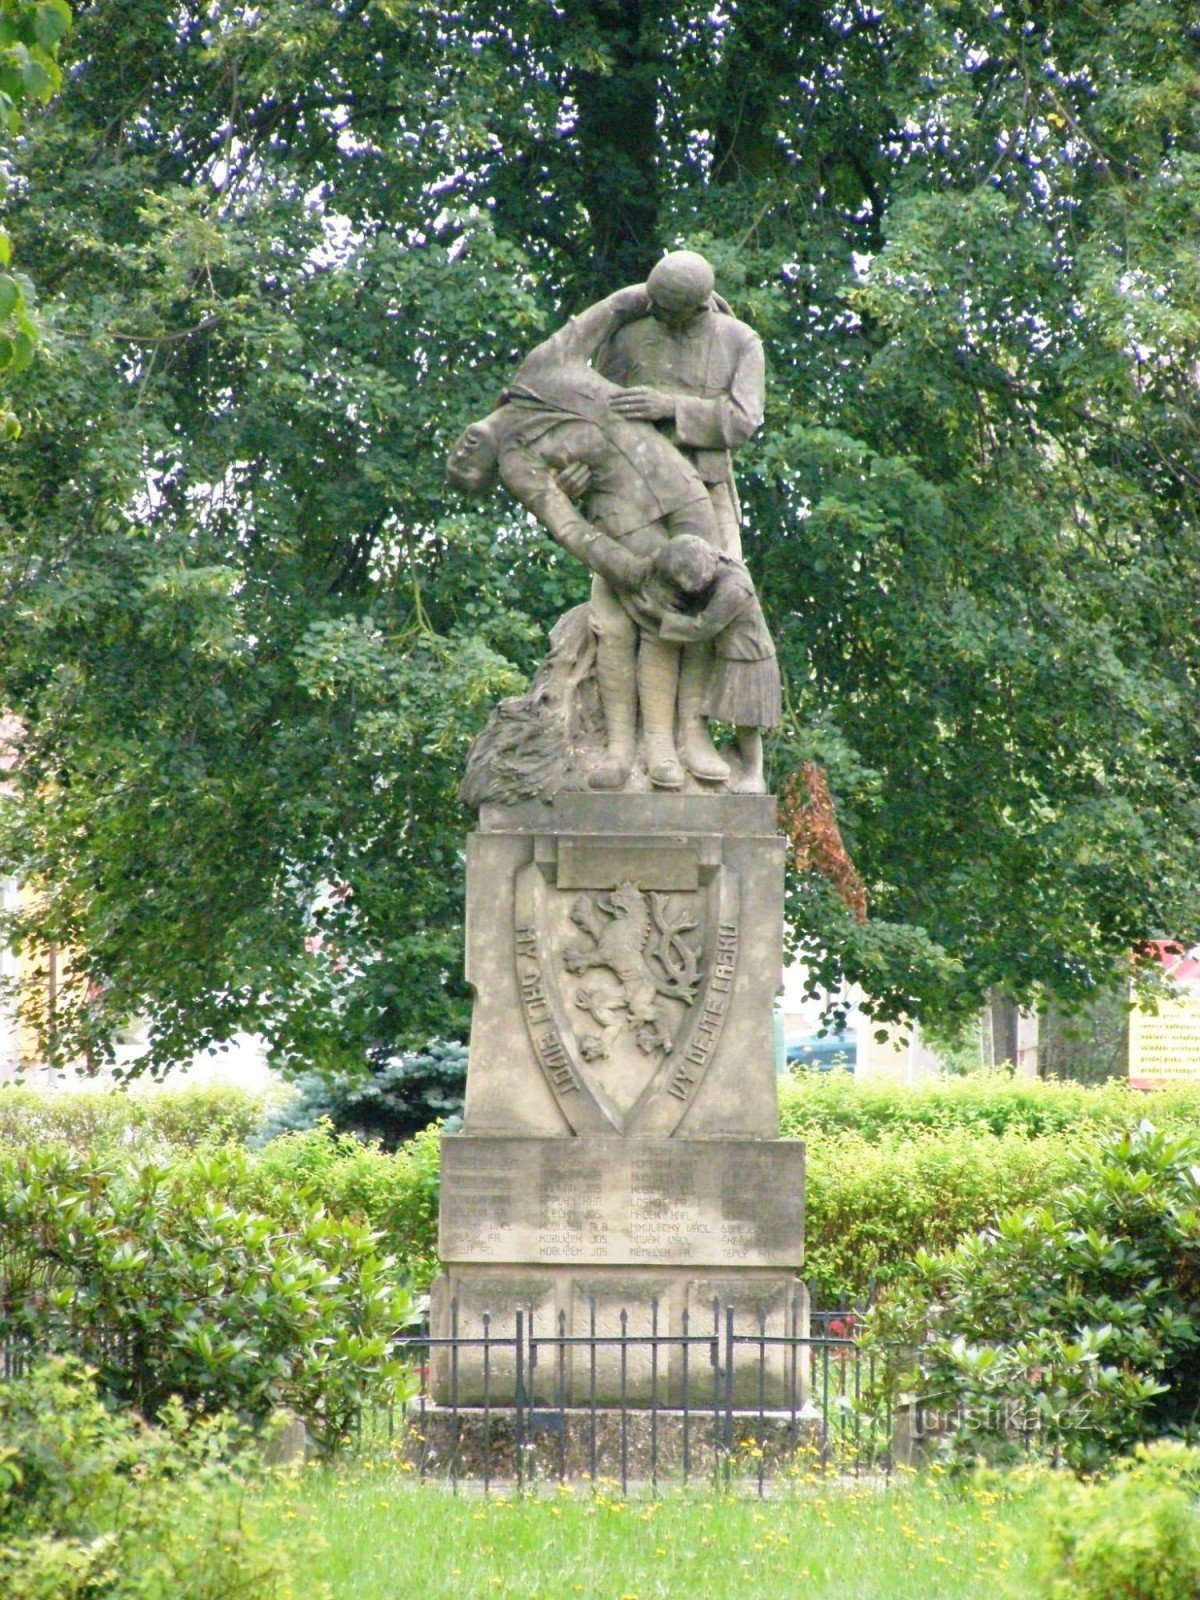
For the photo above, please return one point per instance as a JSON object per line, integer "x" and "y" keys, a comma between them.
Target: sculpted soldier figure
{"x": 558, "y": 415}
{"x": 563, "y": 430}
{"x": 692, "y": 368}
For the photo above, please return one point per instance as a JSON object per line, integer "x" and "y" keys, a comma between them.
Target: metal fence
{"x": 727, "y": 1398}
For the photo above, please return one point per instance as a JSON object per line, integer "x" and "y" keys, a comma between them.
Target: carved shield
{"x": 626, "y": 956}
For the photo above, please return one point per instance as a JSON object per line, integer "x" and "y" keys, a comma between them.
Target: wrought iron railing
{"x": 745, "y": 1400}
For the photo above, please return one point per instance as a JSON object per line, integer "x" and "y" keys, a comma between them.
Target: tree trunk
{"x": 619, "y": 143}
{"x": 1002, "y": 1022}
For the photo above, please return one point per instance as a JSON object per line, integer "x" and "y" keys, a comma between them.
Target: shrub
{"x": 1135, "y": 1536}
{"x": 95, "y": 1504}
{"x": 155, "y": 1278}
{"x": 396, "y": 1194}
{"x": 104, "y": 1119}
{"x": 1081, "y": 1315}
{"x": 393, "y": 1099}
{"x": 870, "y": 1206}
{"x": 812, "y": 1104}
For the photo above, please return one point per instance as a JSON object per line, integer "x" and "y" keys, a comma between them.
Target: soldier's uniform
{"x": 714, "y": 367}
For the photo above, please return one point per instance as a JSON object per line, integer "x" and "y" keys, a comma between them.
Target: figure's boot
{"x": 616, "y": 682}
{"x": 658, "y": 678}
{"x": 695, "y": 747}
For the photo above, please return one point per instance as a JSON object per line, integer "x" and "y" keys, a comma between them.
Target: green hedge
{"x": 186, "y": 1118}
{"x": 812, "y": 1104}
{"x": 890, "y": 1170}
{"x": 893, "y": 1170}
{"x": 170, "y": 1280}
{"x": 871, "y": 1205}
{"x": 396, "y": 1195}
{"x": 1081, "y": 1314}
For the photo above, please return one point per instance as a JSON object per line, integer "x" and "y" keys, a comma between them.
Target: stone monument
{"x": 620, "y": 1167}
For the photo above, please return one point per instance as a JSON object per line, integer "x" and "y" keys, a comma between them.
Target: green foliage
{"x": 160, "y": 1279}
{"x": 1131, "y": 1536}
{"x": 812, "y": 1105}
{"x": 164, "y": 1121}
{"x": 96, "y": 1503}
{"x": 871, "y": 1205}
{"x": 30, "y": 32}
{"x": 894, "y": 1171}
{"x": 891, "y": 1171}
{"x": 393, "y": 1194}
{"x": 1079, "y": 1315}
{"x": 400, "y": 1095}
{"x": 286, "y": 252}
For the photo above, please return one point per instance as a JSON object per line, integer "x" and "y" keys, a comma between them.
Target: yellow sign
{"x": 1165, "y": 1047}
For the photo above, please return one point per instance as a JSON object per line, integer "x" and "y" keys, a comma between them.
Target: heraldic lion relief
{"x": 624, "y": 990}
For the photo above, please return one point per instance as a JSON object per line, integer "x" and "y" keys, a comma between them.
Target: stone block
{"x": 709, "y": 1203}
{"x": 478, "y": 1310}
{"x": 626, "y": 1316}
{"x": 662, "y": 1306}
{"x": 725, "y": 814}
{"x": 760, "y": 1363}
{"x": 625, "y": 953}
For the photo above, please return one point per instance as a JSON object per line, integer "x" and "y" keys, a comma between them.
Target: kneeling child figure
{"x": 718, "y": 594}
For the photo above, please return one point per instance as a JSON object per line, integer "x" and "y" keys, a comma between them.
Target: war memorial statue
{"x": 620, "y": 1150}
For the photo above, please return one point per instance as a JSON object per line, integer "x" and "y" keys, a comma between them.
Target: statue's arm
{"x": 577, "y": 341}
{"x": 727, "y": 420}
{"x": 679, "y": 629}
{"x": 530, "y": 481}
{"x": 725, "y": 606}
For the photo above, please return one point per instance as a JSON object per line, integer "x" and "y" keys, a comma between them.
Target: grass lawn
{"x": 376, "y": 1535}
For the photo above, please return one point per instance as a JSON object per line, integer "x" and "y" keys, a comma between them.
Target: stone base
{"x": 618, "y": 1335}
{"x": 503, "y": 1445}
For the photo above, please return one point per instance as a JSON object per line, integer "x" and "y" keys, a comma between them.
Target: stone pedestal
{"x": 619, "y": 1172}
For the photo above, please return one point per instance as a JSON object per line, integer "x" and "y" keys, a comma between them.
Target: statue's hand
{"x": 573, "y": 480}
{"x": 651, "y": 601}
{"x": 676, "y": 626}
{"x": 643, "y": 405}
{"x": 631, "y": 303}
{"x": 622, "y": 567}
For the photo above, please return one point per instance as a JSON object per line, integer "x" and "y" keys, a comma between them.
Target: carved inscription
{"x": 551, "y": 1051}
{"x": 601, "y": 1200}
{"x": 486, "y": 1202}
{"x": 712, "y": 1017}
{"x": 572, "y": 1225}
{"x": 663, "y": 1209}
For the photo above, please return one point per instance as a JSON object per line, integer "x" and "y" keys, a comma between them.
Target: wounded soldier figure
{"x": 554, "y": 420}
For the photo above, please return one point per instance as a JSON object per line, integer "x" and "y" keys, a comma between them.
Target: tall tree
{"x": 30, "y": 31}
{"x": 287, "y": 252}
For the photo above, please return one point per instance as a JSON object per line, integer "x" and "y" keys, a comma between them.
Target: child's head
{"x": 690, "y": 563}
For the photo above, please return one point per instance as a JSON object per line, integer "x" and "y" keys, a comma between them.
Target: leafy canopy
{"x": 288, "y": 251}
{"x": 30, "y": 31}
